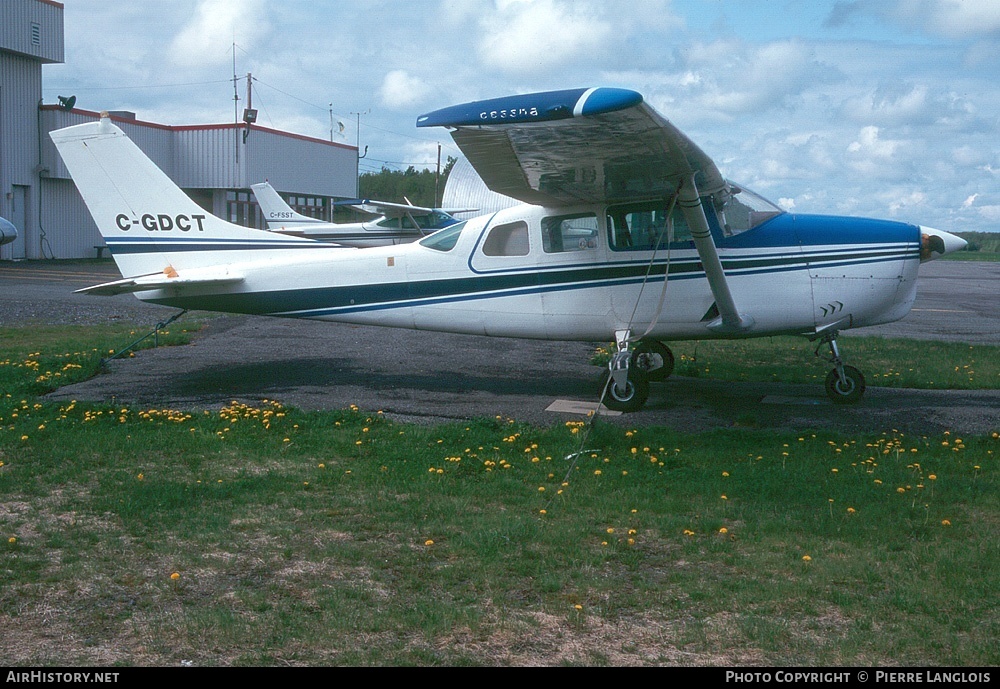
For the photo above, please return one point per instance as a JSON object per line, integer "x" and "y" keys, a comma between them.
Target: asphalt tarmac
{"x": 434, "y": 377}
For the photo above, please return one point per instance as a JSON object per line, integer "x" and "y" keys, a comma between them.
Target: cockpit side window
{"x": 444, "y": 240}
{"x": 563, "y": 233}
{"x": 644, "y": 227}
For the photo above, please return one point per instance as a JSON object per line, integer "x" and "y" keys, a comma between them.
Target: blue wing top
{"x": 577, "y": 146}
{"x": 532, "y": 107}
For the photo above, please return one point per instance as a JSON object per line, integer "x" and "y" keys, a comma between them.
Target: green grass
{"x": 262, "y": 535}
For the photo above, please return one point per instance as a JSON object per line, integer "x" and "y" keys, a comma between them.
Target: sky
{"x": 874, "y": 108}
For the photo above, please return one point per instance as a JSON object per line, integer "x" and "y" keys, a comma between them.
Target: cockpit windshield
{"x": 743, "y": 210}
{"x": 444, "y": 240}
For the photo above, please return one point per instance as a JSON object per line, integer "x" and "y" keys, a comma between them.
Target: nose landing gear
{"x": 844, "y": 384}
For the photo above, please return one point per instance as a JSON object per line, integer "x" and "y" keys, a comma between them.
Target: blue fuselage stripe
{"x": 322, "y": 301}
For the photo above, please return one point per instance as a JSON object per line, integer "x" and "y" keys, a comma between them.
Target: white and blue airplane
{"x": 628, "y": 231}
{"x": 397, "y": 223}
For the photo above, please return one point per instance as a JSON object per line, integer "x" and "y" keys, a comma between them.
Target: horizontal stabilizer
{"x": 169, "y": 278}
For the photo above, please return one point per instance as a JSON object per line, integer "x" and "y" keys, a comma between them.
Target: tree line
{"x": 422, "y": 188}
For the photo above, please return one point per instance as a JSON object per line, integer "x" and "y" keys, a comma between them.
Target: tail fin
{"x": 278, "y": 214}
{"x": 147, "y": 221}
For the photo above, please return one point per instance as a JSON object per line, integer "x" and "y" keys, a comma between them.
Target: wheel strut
{"x": 626, "y": 387}
{"x": 844, "y": 384}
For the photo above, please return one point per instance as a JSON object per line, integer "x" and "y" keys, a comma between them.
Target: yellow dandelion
{"x": 945, "y": 522}
{"x": 610, "y": 530}
{"x": 851, "y": 510}
{"x": 12, "y": 539}
{"x": 428, "y": 542}
{"x": 933, "y": 477}
{"x": 542, "y": 512}
{"x": 597, "y": 472}
{"x": 175, "y": 576}
{"x": 723, "y": 530}
{"x": 541, "y": 489}
{"x": 578, "y": 607}
{"x": 806, "y": 558}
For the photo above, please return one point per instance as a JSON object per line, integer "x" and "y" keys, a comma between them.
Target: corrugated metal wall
{"x": 65, "y": 227}
{"x": 20, "y": 91}
{"x": 466, "y": 189}
{"x": 33, "y": 28}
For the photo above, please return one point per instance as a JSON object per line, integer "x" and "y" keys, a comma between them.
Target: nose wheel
{"x": 844, "y": 384}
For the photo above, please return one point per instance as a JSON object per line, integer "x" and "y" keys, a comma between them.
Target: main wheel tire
{"x": 647, "y": 353}
{"x": 845, "y": 393}
{"x": 632, "y": 399}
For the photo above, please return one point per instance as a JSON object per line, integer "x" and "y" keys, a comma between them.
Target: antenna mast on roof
{"x": 236, "y": 108}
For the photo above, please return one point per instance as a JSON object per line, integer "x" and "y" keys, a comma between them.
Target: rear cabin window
{"x": 644, "y": 227}
{"x": 507, "y": 240}
{"x": 563, "y": 233}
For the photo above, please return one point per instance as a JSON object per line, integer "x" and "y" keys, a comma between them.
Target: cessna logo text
{"x": 508, "y": 114}
{"x": 161, "y": 222}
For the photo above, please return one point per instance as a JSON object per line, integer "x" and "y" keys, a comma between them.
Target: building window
{"x": 240, "y": 208}
{"x": 311, "y": 206}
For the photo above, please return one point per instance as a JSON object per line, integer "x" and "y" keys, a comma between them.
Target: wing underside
{"x": 592, "y": 146}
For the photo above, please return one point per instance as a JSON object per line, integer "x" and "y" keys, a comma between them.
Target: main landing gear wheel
{"x": 629, "y": 399}
{"x": 848, "y": 390}
{"x": 654, "y": 359}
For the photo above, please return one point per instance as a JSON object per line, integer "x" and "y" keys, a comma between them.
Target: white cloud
{"x": 214, "y": 26}
{"x": 531, "y": 36}
{"x": 871, "y": 145}
{"x": 990, "y": 214}
{"x": 734, "y": 78}
{"x": 951, "y": 18}
{"x": 401, "y": 90}
{"x": 969, "y": 201}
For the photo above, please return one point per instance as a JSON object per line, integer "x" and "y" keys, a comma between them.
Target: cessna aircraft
{"x": 630, "y": 231}
{"x": 397, "y": 223}
{"x": 8, "y": 233}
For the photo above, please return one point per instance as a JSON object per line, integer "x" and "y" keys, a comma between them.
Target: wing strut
{"x": 730, "y": 320}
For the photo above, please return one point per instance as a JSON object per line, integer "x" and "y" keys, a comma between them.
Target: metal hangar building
{"x": 215, "y": 164}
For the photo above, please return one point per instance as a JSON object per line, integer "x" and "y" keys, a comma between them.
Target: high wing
{"x": 594, "y": 145}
